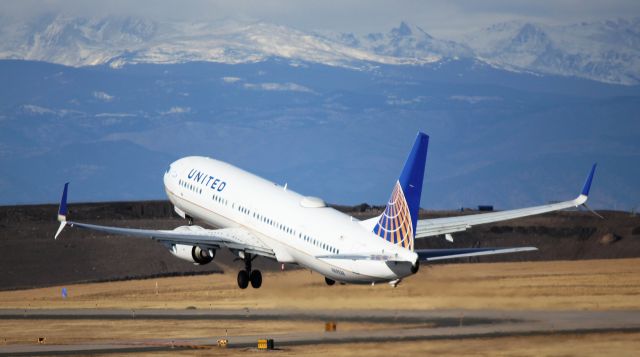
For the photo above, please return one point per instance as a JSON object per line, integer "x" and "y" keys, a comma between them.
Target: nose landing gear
{"x": 247, "y": 275}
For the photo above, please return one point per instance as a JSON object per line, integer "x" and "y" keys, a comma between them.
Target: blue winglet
{"x": 587, "y": 183}
{"x": 62, "y": 210}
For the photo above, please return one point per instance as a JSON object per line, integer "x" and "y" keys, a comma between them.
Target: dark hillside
{"x": 29, "y": 256}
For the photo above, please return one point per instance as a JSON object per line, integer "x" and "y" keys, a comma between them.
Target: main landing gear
{"x": 247, "y": 275}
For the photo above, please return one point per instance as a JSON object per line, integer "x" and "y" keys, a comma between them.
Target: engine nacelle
{"x": 193, "y": 253}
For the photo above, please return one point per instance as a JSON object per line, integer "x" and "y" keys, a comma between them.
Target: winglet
{"x": 587, "y": 183}
{"x": 62, "y": 211}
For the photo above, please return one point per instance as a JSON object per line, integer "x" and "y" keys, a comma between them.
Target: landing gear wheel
{"x": 243, "y": 279}
{"x": 256, "y": 279}
{"x": 329, "y": 281}
{"x": 415, "y": 267}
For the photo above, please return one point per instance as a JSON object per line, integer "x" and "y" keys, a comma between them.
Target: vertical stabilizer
{"x": 397, "y": 224}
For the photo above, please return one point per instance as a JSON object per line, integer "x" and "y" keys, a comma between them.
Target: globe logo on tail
{"x": 395, "y": 224}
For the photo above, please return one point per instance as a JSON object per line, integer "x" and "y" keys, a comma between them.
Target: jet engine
{"x": 193, "y": 253}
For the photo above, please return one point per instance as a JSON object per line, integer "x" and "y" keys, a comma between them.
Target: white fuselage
{"x": 298, "y": 229}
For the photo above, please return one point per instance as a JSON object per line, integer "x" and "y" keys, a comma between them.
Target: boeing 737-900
{"x": 256, "y": 217}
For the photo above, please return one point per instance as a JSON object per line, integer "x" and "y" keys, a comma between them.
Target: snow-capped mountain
{"x": 406, "y": 41}
{"x": 602, "y": 51}
{"x": 118, "y": 41}
{"x": 74, "y": 41}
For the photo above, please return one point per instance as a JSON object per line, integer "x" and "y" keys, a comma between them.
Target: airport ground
{"x": 459, "y": 290}
{"x": 562, "y": 285}
{"x": 575, "y": 296}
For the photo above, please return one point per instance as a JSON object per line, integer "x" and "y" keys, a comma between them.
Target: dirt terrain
{"x": 29, "y": 257}
{"x": 556, "y": 287}
{"x": 563, "y": 285}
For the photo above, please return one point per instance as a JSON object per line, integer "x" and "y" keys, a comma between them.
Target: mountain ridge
{"x": 606, "y": 51}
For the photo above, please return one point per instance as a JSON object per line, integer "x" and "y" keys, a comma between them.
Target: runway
{"x": 425, "y": 325}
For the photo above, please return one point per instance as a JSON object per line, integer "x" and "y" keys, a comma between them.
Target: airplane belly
{"x": 357, "y": 272}
{"x": 367, "y": 269}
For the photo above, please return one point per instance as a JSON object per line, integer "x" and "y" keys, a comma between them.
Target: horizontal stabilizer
{"x": 454, "y": 253}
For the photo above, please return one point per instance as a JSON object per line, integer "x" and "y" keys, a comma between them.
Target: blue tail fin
{"x": 397, "y": 224}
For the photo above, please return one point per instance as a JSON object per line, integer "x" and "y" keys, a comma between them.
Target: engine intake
{"x": 202, "y": 256}
{"x": 193, "y": 253}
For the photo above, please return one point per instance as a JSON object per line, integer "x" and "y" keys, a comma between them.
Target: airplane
{"x": 258, "y": 218}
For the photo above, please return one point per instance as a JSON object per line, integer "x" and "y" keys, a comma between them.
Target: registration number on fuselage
{"x": 338, "y": 271}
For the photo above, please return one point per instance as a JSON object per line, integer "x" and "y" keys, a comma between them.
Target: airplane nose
{"x": 168, "y": 174}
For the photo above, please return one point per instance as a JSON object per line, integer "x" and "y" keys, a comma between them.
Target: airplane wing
{"x": 438, "y": 226}
{"x": 233, "y": 238}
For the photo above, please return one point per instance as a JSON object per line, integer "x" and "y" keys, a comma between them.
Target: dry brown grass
{"x": 591, "y": 284}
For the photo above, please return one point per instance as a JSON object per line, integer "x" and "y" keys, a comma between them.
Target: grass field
{"x": 564, "y": 285}
{"x": 586, "y": 284}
